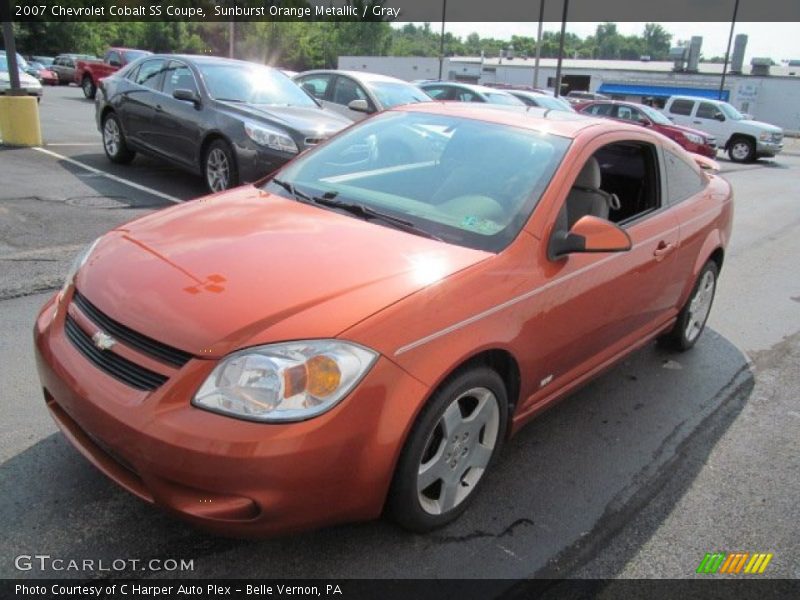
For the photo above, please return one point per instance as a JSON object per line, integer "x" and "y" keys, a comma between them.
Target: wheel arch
{"x": 209, "y": 139}
{"x": 736, "y": 136}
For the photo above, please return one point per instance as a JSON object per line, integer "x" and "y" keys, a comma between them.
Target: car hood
{"x": 247, "y": 267}
{"x": 760, "y": 125}
{"x": 308, "y": 120}
{"x": 25, "y": 80}
{"x": 681, "y": 129}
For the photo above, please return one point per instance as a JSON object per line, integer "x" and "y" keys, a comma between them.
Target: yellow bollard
{"x": 19, "y": 121}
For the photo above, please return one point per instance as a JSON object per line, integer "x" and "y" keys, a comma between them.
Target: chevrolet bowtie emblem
{"x": 103, "y": 341}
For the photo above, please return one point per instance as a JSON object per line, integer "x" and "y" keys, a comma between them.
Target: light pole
{"x": 561, "y": 48}
{"x": 728, "y": 51}
{"x": 441, "y": 39}
{"x": 538, "y": 46}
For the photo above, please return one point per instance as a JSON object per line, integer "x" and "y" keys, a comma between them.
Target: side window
{"x": 178, "y": 76}
{"x": 627, "y": 113}
{"x": 114, "y": 58}
{"x": 133, "y": 73}
{"x": 149, "y": 74}
{"x": 600, "y": 109}
{"x": 437, "y": 93}
{"x": 681, "y": 107}
{"x": 619, "y": 183}
{"x": 706, "y": 110}
{"x": 683, "y": 180}
{"x": 316, "y": 85}
{"x": 346, "y": 90}
{"x": 467, "y": 96}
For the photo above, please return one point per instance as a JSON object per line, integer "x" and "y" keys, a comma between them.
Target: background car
{"x": 690, "y": 139}
{"x": 64, "y": 66}
{"x": 467, "y": 92}
{"x": 43, "y": 60}
{"x": 744, "y": 139}
{"x": 541, "y": 100}
{"x": 356, "y": 94}
{"x": 42, "y": 73}
{"x": 29, "y": 84}
{"x": 579, "y": 97}
{"x": 350, "y": 339}
{"x": 89, "y": 72}
{"x": 228, "y": 120}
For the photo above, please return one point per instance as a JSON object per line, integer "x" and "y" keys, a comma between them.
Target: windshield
{"x": 21, "y": 62}
{"x": 467, "y": 182}
{"x": 394, "y": 94}
{"x": 655, "y": 116}
{"x": 132, "y": 55}
{"x": 508, "y": 99}
{"x": 553, "y": 103}
{"x": 731, "y": 112}
{"x": 252, "y": 84}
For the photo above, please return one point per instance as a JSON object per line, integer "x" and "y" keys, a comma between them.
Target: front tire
{"x": 114, "y": 141}
{"x": 742, "y": 150}
{"x": 451, "y": 446}
{"x": 693, "y": 316}
{"x": 219, "y": 167}
{"x": 88, "y": 87}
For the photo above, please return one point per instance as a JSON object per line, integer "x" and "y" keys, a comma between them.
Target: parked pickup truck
{"x": 89, "y": 72}
{"x": 744, "y": 139}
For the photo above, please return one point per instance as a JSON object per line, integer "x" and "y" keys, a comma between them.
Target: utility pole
{"x": 728, "y": 51}
{"x": 11, "y": 56}
{"x": 231, "y": 33}
{"x": 538, "y": 46}
{"x": 441, "y": 39}
{"x": 561, "y": 48}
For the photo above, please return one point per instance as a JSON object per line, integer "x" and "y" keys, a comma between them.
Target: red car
{"x": 359, "y": 333}
{"x": 88, "y": 73}
{"x": 692, "y": 140}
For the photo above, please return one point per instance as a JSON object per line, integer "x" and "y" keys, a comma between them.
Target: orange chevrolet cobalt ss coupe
{"x": 362, "y": 331}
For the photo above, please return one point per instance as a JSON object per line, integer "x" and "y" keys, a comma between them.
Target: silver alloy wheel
{"x": 218, "y": 170}
{"x": 111, "y": 137}
{"x": 699, "y": 306}
{"x": 740, "y": 150}
{"x": 87, "y": 87}
{"x": 458, "y": 451}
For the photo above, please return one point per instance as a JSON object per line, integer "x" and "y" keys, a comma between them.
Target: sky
{"x": 779, "y": 41}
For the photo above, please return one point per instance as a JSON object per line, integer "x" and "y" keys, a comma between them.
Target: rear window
{"x": 681, "y": 107}
{"x": 683, "y": 180}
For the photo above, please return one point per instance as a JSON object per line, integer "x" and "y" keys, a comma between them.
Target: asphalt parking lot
{"x": 660, "y": 460}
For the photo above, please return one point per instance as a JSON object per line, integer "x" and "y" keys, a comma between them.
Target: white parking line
{"x": 77, "y": 144}
{"x": 127, "y": 182}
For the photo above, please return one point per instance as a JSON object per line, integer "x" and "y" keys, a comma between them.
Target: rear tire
{"x": 89, "y": 88}
{"x": 694, "y": 314}
{"x": 742, "y": 150}
{"x": 452, "y": 445}
{"x": 114, "y": 141}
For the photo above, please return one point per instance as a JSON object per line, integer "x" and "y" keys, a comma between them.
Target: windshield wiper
{"x": 367, "y": 212}
{"x": 293, "y": 191}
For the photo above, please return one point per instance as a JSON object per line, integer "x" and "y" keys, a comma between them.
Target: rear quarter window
{"x": 681, "y": 107}
{"x": 684, "y": 180}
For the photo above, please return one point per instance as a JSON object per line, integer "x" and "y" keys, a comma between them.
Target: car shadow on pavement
{"x": 560, "y": 490}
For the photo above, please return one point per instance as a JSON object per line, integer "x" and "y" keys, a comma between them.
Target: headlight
{"x": 765, "y": 136}
{"x": 270, "y": 137}
{"x": 291, "y": 381}
{"x": 694, "y": 138}
{"x": 76, "y": 265}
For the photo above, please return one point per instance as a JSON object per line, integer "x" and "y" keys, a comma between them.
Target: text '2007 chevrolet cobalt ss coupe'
{"x": 362, "y": 331}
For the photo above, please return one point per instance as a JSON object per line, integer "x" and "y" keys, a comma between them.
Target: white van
{"x": 744, "y": 139}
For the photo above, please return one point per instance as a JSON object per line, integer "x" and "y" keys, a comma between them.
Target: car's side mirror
{"x": 589, "y": 234}
{"x": 719, "y": 116}
{"x": 359, "y": 105}
{"x": 186, "y": 95}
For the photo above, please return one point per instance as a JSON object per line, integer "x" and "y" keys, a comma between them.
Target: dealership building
{"x": 768, "y": 92}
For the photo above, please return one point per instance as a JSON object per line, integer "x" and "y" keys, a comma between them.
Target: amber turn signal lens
{"x": 323, "y": 376}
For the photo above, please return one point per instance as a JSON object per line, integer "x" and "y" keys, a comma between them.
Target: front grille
{"x": 113, "y": 364}
{"x": 777, "y": 138}
{"x": 150, "y": 347}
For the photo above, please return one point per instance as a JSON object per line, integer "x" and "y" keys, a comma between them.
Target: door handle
{"x": 158, "y": 108}
{"x": 697, "y": 122}
{"x": 663, "y": 249}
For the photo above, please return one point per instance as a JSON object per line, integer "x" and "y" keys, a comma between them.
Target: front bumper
{"x": 768, "y": 148}
{"x": 225, "y": 475}
{"x": 255, "y": 162}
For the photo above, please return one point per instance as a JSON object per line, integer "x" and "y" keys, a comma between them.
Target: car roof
{"x": 712, "y": 100}
{"x": 561, "y": 123}
{"x": 482, "y": 89}
{"x": 360, "y": 75}
{"x": 205, "y": 59}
